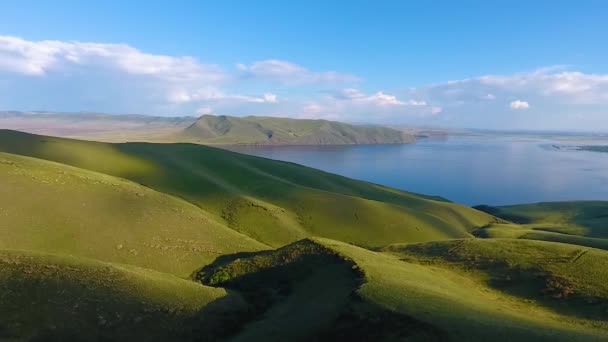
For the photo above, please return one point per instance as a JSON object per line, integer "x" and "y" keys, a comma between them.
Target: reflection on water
{"x": 469, "y": 170}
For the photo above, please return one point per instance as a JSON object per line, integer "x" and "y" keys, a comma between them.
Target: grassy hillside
{"x": 273, "y": 202}
{"x": 565, "y": 277}
{"x": 104, "y": 241}
{"x": 577, "y": 222}
{"x": 210, "y": 129}
{"x": 55, "y": 208}
{"x": 45, "y": 297}
{"x": 426, "y": 292}
{"x": 585, "y": 218}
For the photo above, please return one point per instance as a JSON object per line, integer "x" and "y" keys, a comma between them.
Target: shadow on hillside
{"x": 217, "y": 321}
{"x": 303, "y": 293}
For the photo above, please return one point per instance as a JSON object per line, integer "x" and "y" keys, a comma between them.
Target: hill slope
{"x": 336, "y": 291}
{"x": 45, "y": 297}
{"x": 186, "y": 209}
{"x": 209, "y": 129}
{"x": 273, "y": 202}
{"x": 55, "y": 208}
{"x": 582, "y": 223}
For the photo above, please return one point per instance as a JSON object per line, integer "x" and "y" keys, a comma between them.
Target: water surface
{"x": 466, "y": 169}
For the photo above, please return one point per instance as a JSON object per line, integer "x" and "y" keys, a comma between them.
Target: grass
{"x": 104, "y": 241}
{"x": 582, "y": 223}
{"x": 584, "y": 218}
{"x": 55, "y": 208}
{"x": 272, "y": 202}
{"x": 514, "y": 231}
{"x": 46, "y": 297}
{"x": 566, "y": 278}
{"x": 430, "y": 291}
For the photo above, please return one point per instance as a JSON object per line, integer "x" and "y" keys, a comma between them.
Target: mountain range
{"x": 207, "y": 129}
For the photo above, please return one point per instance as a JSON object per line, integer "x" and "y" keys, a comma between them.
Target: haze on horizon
{"x": 517, "y": 65}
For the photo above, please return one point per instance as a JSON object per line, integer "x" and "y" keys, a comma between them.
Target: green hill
{"x": 427, "y": 292}
{"x": 272, "y": 202}
{"x": 55, "y": 208}
{"x": 103, "y": 241}
{"x": 209, "y": 129}
{"x": 45, "y": 297}
{"x": 584, "y": 218}
{"x": 582, "y": 223}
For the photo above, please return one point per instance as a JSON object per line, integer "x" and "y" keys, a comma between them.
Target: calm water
{"x": 469, "y": 170}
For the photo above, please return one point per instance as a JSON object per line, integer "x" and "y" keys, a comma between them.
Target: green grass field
{"x": 273, "y": 202}
{"x": 582, "y": 223}
{"x": 55, "y": 208}
{"x": 158, "y": 242}
{"x": 430, "y": 291}
{"x": 47, "y": 297}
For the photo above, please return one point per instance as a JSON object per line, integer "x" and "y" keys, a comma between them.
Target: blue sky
{"x": 487, "y": 64}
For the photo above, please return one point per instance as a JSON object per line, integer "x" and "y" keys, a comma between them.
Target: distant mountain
{"x": 95, "y": 126}
{"x": 209, "y": 129}
{"x": 92, "y": 116}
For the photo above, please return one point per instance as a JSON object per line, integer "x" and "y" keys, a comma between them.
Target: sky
{"x": 537, "y": 65}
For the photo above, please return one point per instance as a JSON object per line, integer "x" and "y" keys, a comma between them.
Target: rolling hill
{"x": 582, "y": 223}
{"x": 185, "y": 242}
{"x": 46, "y": 297}
{"x": 459, "y": 290}
{"x": 55, "y": 208}
{"x": 209, "y": 129}
{"x": 272, "y": 202}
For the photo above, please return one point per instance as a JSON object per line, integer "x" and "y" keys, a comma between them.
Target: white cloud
{"x": 72, "y": 76}
{"x": 570, "y": 86}
{"x": 379, "y": 98}
{"x": 205, "y": 111}
{"x": 270, "y": 98}
{"x": 416, "y": 103}
{"x": 352, "y": 104}
{"x": 290, "y": 73}
{"x": 179, "y": 96}
{"x": 313, "y": 108}
{"x": 215, "y": 95}
{"x": 519, "y": 105}
{"x": 177, "y": 80}
{"x": 548, "y": 95}
{"x": 436, "y": 110}
{"x": 42, "y": 57}
{"x": 552, "y": 84}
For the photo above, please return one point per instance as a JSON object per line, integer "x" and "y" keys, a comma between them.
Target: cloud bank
{"x": 290, "y": 73}
{"x": 72, "y": 75}
{"x": 517, "y": 104}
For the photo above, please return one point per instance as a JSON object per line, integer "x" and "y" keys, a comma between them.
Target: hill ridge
{"x": 265, "y": 130}
{"x": 313, "y": 201}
